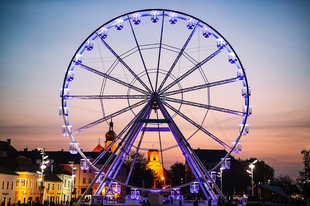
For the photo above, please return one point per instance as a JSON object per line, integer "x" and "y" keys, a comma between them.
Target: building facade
{"x": 7, "y": 189}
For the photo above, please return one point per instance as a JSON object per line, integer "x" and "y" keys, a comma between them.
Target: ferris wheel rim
{"x": 164, "y": 10}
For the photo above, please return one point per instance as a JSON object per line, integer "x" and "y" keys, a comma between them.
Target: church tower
{"x": 153, "y": 162}
{"x": 110, "y": 136}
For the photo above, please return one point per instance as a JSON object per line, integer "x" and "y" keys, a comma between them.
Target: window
{"x": 30, "y": 185}
{"x": 26, "y": 183}
{"x": 12, "y": 186}
{"x": 22, "y": 182}
{"x": 89, "y": 180}
{"x": 84, "y": 171}
{"x": 37, "y": 184}
{"x": 65, "y": 183}
{"x": 90, "y": 170}
{"x": 8, "y": 185}
{"x": 17, "y": 182}
{"x": 58, "y": 187}
{"x": 84, "y": 180}
{"x": 48, "y": 186}
{"x": 3, "y": 185}
{"x": 53, "y": 186}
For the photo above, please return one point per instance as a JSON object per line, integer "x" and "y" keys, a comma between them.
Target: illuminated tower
{"x": 110, "y": 136}
{"x": 153, "y": 163}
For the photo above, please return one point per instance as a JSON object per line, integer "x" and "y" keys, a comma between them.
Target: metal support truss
{"x": 117, "y": 158}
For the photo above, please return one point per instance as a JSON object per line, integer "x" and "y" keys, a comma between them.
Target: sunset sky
{"x": 39, "y": 38}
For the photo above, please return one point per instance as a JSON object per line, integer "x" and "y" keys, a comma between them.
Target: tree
{"x": 304, "y": 175}
{"x": 140, "y": 161}
{"x": 263, "y": 173}
{"x": 140, "y": 176}
{"x": 286, "y": 183}
{"x": 178, "y": 173}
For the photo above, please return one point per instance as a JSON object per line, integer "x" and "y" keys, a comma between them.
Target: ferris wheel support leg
{"x": 209, "y": 177}
{"x": 187, "y": 152}
{"x": 124, "y": 150}
{"x": 135, "y": 157}
{"x": 99, "y": 173}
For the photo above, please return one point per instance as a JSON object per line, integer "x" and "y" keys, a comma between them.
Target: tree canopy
{"x": 304, "y": 175}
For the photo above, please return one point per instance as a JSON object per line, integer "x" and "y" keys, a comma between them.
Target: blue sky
{"x": 39, "y": 38}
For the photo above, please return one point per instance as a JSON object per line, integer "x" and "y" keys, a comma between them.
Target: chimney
{"x": 26, "y": 149}
{"x": 9, "y": 142}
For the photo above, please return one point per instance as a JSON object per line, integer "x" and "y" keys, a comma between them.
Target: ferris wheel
{"x": 168, "y": 80}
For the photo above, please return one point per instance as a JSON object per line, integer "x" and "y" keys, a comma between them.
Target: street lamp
{"x": 221, "y": 176}
{"x": 251, "y": 166}
{"x": 41, "y": 173}
{"x": 72, "y": 177}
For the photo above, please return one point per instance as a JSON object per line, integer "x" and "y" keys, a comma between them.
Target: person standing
{"x": 196, "y": 203}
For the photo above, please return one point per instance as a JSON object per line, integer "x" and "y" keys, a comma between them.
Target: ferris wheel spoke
{"x": 125, "y": 65}
{"x": 74, "y": 97}
{"x": 205, "y": 106}
{"x": 201, "y": 86}
{"x": 159, "y": 50}
{"x": 141, "y": 56}
{"x": 197, "y": 125}
{"x": 177, "y": 58}
{"x": 191, "y": 70}
{"x": 115, "y": 114}
{"x": 113, "y": 79}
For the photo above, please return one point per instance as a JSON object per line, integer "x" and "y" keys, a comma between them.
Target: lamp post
{"x": 41, "y": 173}
{"x": 251, "y": 166}
{"x": 72, "y": 177}
{"x": 220, "y": 175}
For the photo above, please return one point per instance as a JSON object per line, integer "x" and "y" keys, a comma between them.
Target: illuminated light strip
{"x": 156, "y": 129}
